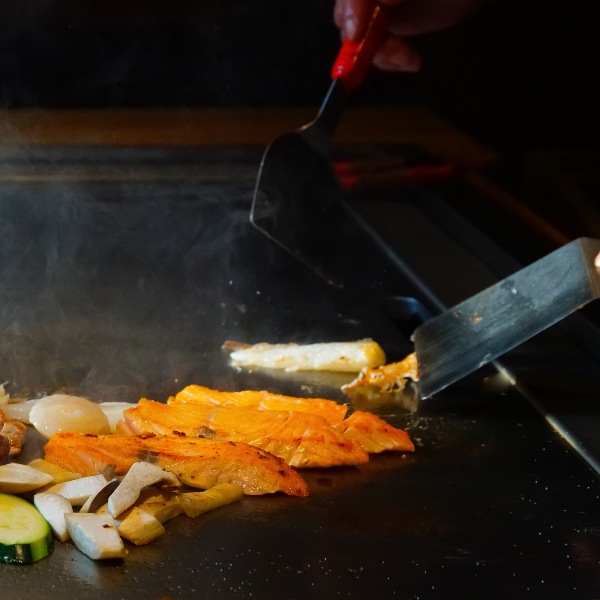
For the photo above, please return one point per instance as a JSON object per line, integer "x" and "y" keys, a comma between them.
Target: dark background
{"x": 518, "y": 75}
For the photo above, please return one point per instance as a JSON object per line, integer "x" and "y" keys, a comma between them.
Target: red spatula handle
{"x": 356, "y": 56}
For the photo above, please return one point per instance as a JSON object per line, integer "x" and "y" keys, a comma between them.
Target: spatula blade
{"x": 297, "y": 202}
{"x": 480, "y": 329}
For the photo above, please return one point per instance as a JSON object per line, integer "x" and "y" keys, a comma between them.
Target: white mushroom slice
{"x": 60, "y": 475}
{"x": 139, "y": 476}
{"x": 93, "y": 503}
{"x": 96, "y": 535}
{"x": 114, "y": 412}
{"x": 161, "y": 511}
{"x": 17, "y": 479}
{"x": 140, "y": 528}
{"x": 19, "y": 412}
{"x": 53, "y": 508}
{"x": 78, "y": 490}
{"x": 149, "y": 494}
{"x": 87, "y": 505}
{"x": 335, "y": 356}
{"x": 171, "y": 480}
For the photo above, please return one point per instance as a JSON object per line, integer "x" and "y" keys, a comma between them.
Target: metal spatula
{"x": 296, "y": 199}
{"x": 480, "y": 329}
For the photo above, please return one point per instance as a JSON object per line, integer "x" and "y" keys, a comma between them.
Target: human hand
{"x": 411, "y": 17}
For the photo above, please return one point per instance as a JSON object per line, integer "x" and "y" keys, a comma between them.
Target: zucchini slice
{"x": 25, "y": 535}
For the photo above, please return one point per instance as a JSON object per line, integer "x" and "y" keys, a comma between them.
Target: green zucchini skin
{"x": 27, "y": 551}
{"x": 27, "y": 554}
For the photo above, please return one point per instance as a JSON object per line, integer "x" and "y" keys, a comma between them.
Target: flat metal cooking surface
{"x": 118, "y": 291}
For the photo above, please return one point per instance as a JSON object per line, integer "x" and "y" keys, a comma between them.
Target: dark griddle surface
{"x": 118, "y": 291}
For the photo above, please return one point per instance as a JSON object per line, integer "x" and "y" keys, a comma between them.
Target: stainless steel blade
{"x": 297, "y": 196}
{"x": 480, "y": 329}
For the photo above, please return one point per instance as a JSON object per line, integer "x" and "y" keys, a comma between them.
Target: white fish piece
{"x": 96, "y": 535}
{"x": 20, "y": 411}
{"x": 17, "y": 479}
{"x": 139, "y": 476}
{"x": 78, "y": 490}
{"x": 349, "y": 357}
{"x": 53, "y": 508}
{"x": 61, "y": 413}
{"x": 114, "y": 412}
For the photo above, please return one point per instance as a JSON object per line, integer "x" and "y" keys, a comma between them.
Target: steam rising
{"x": 122, "y": 287}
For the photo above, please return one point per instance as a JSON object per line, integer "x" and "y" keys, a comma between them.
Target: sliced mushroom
{"x": 140, "y": 528}
{"x": 96, "y": 535}
{"x": 79, "y": 490}
{"x": 196, "y": 503}
{"x": 17, "y": 479}
{"x": 139, "y": 476}
{"x": 94, "y": 502}
{"x": 60, "y": 475}
{"x": 53, "y": 508}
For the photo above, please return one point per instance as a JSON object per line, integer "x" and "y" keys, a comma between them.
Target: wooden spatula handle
{"x": 355, "y": 56}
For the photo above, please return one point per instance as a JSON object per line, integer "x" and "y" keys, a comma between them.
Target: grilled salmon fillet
{"x": 300, "y": 439}
{"x": 331, "y": 411}
{"x": 198, "y": 462}
{"x": 374, "y": 434}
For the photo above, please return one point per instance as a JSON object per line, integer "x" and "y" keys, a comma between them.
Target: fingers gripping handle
{"x": 355, "y": 57}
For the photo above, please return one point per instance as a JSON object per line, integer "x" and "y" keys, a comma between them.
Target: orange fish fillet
{"x": 198, "y": 462}
{"x": 374, "y": 434}
{"x": 331, "y": 411}
{"x": 300, "y": 439}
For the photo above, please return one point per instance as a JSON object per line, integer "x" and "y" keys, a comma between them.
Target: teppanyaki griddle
{"x": 122, "y": 288}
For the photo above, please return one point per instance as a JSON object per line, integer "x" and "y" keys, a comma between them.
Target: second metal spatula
{"x": 297, "y": 196}
{"x": 475, "y": 332}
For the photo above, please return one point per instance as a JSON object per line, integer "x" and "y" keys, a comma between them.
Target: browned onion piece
{"x": 4, "y": 449}
{"x": 14, "y": 432}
